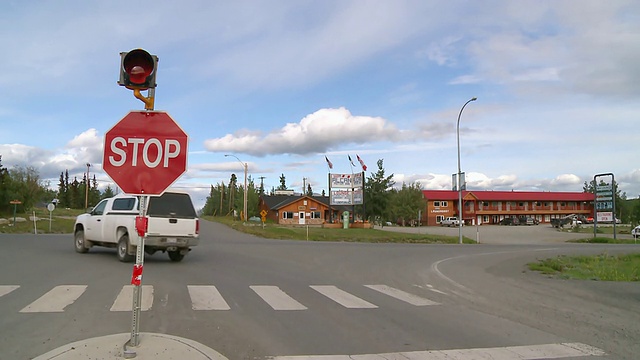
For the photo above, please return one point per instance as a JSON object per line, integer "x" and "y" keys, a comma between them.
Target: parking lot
{"x": 496, "y": 234}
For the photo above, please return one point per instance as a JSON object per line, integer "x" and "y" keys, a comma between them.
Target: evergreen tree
{"x": 309, "y": 190}
{"x": 377, "y": 195}
{"x": 108, "y": 192}
{"x": 407, "y": 202}
{"x": 62, "y": 190}
{"x": 283, "y": 183}
{"x": 233, "y": 189}
{"x": 4, "y": 187}
{"x": 76, "y": 199}
{"x": 209, "y": 204}
{"x": 66, "y": 195}
{"x": 253, "y": 199}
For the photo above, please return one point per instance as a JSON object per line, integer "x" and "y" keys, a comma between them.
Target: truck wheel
{"x": 175, "y": 255}
{"x": 79, "y": 242}
{"x": 123, "y": 245}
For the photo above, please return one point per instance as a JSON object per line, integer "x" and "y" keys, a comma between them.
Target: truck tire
{"x": 175, "y": 255}
{"x": 80, "y": 242}
{"x": 123, "y": 246}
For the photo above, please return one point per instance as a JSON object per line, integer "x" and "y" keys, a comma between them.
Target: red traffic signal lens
{"x": 138, "y": 64}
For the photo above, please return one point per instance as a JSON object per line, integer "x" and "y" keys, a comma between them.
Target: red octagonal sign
{"x": 145, "y": 152}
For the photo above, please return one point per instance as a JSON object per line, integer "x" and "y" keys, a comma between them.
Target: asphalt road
{"x": 273, "y": 298}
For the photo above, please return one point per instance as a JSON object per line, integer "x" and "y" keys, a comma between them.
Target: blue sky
{"x": 282, "y": 84}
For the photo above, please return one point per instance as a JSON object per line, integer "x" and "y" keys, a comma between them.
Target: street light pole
{"x": 459, "y": 185}
{"x": 246, "y": 168}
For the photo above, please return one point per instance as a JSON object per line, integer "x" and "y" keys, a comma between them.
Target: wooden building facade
{"x": 490, "y": 207}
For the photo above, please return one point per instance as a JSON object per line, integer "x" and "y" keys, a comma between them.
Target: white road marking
{"x": 401, "y": 295}
{"x": 124, "y": 301}
{"x": 206, "y": 297}
{"x": 430, "y": 287}
{"x": 277, "y": 298}
{"x": 342, "y": 297}
{"x": 527, "y": 352}
{"x": 56, "y": 299}
{"x": 5, "y": 289}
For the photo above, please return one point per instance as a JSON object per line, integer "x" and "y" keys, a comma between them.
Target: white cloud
{"x": 315, "y": 133}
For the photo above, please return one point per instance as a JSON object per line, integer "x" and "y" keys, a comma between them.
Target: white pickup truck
{"x": 450, "y": 221}
{"x": 173, "y": 226}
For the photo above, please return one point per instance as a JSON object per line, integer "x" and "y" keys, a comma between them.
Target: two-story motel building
{"x": 490, "y": 207}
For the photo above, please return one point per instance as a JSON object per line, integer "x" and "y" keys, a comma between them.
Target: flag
{"x": 364, "y": 167}
{"x": 351, "y": 161}
{"x": 328, "y": 162}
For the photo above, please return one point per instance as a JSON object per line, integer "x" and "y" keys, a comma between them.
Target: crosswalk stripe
{"x": 401, "y": 295}
{"x": 56, "y": 299}
{"x": 342, "y": 297}
{"x": 206, "y": 298}
{"x": 124, "y": 301}
{"x": 277, "y": 298}
{"x": 5, "y": 289}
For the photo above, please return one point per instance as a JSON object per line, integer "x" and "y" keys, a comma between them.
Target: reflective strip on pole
{"x": 137, "y": 279}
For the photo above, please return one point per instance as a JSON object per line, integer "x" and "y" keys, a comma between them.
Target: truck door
{"x": 93, "y": 230}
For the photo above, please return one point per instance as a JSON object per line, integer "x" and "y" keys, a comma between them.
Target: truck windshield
{"x": 171, "y": 205}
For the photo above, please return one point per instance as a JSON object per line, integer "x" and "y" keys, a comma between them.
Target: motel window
{"x": 485, "y": 203}
{"x": 494, "y": 203}
{"x": 521, "y": 204}
{"x": 563, "y": 204}
{"x": 287, "y": 215}
{"x": 315, "y": 214}
{"x": 440, "y": 203}
{"x": 436, "y": 203}
{"x": 538, "y": 203}
{"x": 546, "y": 204}
{"x": 444, "y": 204}
{"x": 439, "y": 218}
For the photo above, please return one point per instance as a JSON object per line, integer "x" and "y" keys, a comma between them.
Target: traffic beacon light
{"x": 138, "y": 71}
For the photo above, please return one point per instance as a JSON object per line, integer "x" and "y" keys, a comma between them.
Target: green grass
{"x": 601, "y": 267}
{"x": 604, "y": 240}
{"x": 274, "y": 231}
{"x": 62, "y": 221}
{"x": 588, "y": 229}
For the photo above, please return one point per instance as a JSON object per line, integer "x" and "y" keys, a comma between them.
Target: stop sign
{"x": 145, "y": 152}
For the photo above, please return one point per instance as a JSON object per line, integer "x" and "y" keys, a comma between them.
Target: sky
{"x": 281, "y": 84}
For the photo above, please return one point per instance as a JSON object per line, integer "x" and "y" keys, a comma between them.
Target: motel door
{"x": 301, "y": 218}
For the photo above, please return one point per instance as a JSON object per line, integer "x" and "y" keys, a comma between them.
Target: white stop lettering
{"x": 119, "y": 147}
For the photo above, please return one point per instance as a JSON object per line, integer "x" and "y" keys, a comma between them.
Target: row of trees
{"x": 24, "y": 184}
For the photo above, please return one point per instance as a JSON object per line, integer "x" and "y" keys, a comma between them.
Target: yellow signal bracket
{"x": 148, "y": 101}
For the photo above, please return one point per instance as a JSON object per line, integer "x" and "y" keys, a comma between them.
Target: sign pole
{"x": 137, "y": 277}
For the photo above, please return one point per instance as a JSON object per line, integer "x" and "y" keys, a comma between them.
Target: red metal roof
{"x": 488, "y": 195}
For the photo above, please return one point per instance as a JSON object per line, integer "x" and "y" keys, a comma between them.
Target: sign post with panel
{"x": 604, "y": 203}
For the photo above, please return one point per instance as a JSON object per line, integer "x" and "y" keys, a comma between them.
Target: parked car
{"x": 509, "y": 221}
{"x": 635, "y": 232}
{"x": 450, "y": 221}
{"x": 528, "y": 221}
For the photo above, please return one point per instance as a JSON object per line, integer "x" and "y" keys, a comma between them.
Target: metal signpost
{"x": 604, "y": 206}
